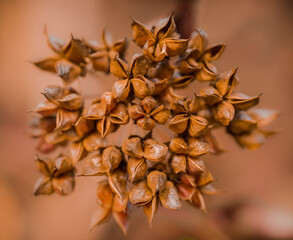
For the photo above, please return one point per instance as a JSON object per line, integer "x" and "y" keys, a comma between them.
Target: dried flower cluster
{"x": 143, "y": 171}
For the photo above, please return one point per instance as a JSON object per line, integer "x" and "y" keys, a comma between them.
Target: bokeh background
{"x": 258, "y": 198}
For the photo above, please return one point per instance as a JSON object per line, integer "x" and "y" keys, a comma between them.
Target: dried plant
{"x": 142, "y": 171}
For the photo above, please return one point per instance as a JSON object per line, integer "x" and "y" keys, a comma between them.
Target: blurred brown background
{"x": 259, "y": 38}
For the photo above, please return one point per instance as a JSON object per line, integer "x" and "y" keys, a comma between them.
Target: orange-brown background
{"x": 258, "y": 34}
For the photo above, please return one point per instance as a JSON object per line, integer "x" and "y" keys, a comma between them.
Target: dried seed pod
{"x": 136, "y": 168}
{"x": 70, "y": 60}
{"x": 142, "y": 170}
{"x": 158, "y": 43}
{"x": 58, "y": 176}
{"x": 147, "y": 115}
{"x": 111, "y": 158}
{"x": 101, "y": 54}
{"x": 185, "y": 118}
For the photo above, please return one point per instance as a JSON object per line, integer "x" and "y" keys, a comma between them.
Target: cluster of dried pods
{"x": 143, "y": 171}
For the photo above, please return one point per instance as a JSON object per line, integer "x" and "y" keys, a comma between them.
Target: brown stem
{"x": 184, "y": 17}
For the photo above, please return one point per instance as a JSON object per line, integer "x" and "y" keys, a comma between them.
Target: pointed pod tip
{"x": 151, "y": 225}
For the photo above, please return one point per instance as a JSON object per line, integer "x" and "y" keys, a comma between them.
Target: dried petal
{"x": 95, "y": 111}
{"x": 169, "y": 196}
{"x": 75, "y": 152}
{"x": 178, "y": 124}
{"x": 141, "y": 33}
{"x": 208, "y": 72}
{"x": 178, "y": 145}
{"x": 224, "y": 112}
{"x": 76, "y": 51}
{"x": 188, "y": 180}
{"x": 94, "y": 142}
{"x": 216, "y": 146}
{"x": 156, "y": 181}
{"x": 121, "y": 219}
{"x": 142, "y": 87}
{"x": 226, "y": 82}
{"x": 197, "y": 104}
{"x": 83, "y": 127}
{"x": 93, "y": 166}
{"x": 242, "y": 123}
{"x": 108, "y": 100}
{"x": 136, "y": 168}
{"x": 141, "y": 194}
{"x": 150, "y": 209}
{"x": 136, "y": 112}
{"x": 45, "y": 108}
{"x": 100, "y": 215}
{"x": 197, "y": 147}
{"x": 178, "y": 163}
{"x": 67, "y": 70}
{"x": 62, "y": 165}
{"x": 132, "y": 147}
{"x": 209, "y": 189}
{"x": 211, "y": 94}
{"x": 148, "y": 104}
{"x": 65, "y": 119}
{"x": 71, "y": 102}
{"x": 70, "y": 135}
{"x": 189, "y": 65}
{"x": 119, "y": 114}
{"x": 139, "y": 65}
{"x": 119, "y": 68}
{"x": 179, "y": 106}
{"x": 43, "y": 186}
{"x": 63, "y": 185}
{"x": 251, "y": 140}
{"x": 241, "y": 101}
{"x": 181, "y": 81}
{"x": 54, "y": 43}
{"x": 146, "y": 123}
{"x": 154, "y": 151}
{"x": 45, "y": 166}
{"x": 198, "y": 200}
{"x": 165, "y": 27}
{"x": 120, "y": 46}
{"x": 119, "y": 205}
{"x": 53, "y": 93}
{"x": 160, "y": 85}
{"x": 117, "y": 181}
{"x": 105, "y": 126}
{"x": 111, "y": 158}
{"x": 185, "y": 192}
{"x": 100, "y": 61}
{"x": 195, "y": 165}
{"x": 162, "y": 70}
{"x": 175, "y": 47}
{"x": 161, "y": 114}
{"x": 213, "y": 53}
{"x": 121, "y": 89}
{"x": 198, "y": 39}
{"x": 263, "y": 116}
{"x": 204, "y": 178}
{"x": 47, "y": 64}
{"x": 197, "y": 126}
{"x": 105, "y": 195}
{"x": 150, "y": 47}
